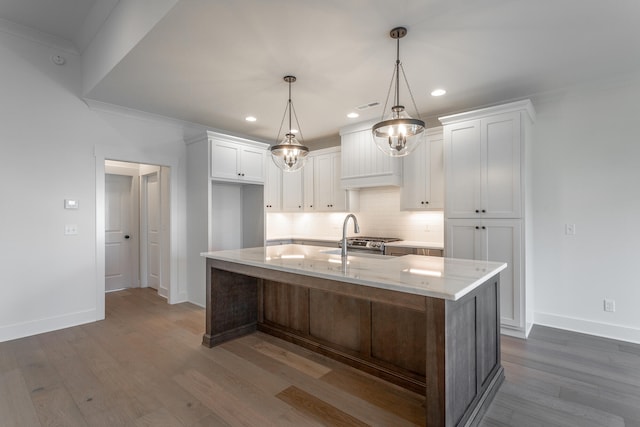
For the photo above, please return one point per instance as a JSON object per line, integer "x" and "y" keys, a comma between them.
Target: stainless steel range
{"x": 368, "y": 244}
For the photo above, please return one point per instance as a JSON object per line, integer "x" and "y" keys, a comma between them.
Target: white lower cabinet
{"x": 493, "y": 240}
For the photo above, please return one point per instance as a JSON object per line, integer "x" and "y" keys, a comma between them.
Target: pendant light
{"x": 289, "y": 155}
{"x": 399, "y": 134}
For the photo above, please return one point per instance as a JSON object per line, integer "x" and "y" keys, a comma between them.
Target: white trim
{"x": 40, "y": 326}
{"x": 40, "y": 37}
{"x": 133, "y": 155}
{"x": 525, "y": 105}
{"x": 606, "y": 330}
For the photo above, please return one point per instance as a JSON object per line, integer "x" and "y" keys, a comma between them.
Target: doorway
{"x": 136, "y": 226}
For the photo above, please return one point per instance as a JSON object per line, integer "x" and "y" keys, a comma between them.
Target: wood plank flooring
{"x": 144, "y": 366}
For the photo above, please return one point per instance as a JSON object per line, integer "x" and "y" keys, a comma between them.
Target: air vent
{"x": 369, "y": 105}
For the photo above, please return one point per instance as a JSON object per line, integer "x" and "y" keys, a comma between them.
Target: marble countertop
{"x": 415, "y": 244}
{"x": 446, "y": 278}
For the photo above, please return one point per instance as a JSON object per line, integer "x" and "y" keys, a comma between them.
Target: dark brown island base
{"x": 428, "y": 324}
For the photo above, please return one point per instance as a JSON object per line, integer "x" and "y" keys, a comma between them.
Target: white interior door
{"x": 152, "y": 229}
{"x": 118, "y": 267}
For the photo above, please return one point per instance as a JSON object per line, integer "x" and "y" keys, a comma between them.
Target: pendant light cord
{"x": 291, "y": 109}
{"x": 396, "y": 101}
{"x": 396, "y": 77}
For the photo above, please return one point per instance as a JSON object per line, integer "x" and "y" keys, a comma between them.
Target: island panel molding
{"x": 446, "y": 348}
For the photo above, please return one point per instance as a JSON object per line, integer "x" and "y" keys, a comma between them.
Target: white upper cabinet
{"x": 483, "y": 157}
{"x": 308, "y": 193}
{"x": 272, "y": 187}
{"x": 315, "y": 188}
{"x": 423, "y": 175}
{"x": 328, "y": 193}
{"x": 292, "y": 187}
{"x": 237, "y": 160}
{"x": 363, "y": 164}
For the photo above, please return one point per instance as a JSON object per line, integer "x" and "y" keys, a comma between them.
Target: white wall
{"x": 586, "y": 171}
{"x": 47, "y": 140}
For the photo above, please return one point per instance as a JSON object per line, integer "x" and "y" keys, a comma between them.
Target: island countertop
{"x": 437, "y": 277}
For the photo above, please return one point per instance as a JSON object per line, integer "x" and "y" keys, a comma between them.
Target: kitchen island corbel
{"x": 428, "y": 324}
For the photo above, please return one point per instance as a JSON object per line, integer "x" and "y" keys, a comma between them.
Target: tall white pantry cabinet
{"x": 487, "y": 188}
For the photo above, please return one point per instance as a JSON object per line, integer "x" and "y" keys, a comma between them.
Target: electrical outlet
{"x": 609, "y": 305}
{"x": 570, "y": 229}
{"x": 70, "y": 229}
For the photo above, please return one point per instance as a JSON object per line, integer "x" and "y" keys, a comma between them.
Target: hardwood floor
{"x": 144, "y": 366}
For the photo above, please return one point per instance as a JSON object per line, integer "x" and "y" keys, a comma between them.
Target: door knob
{"x": 126, "y": 236}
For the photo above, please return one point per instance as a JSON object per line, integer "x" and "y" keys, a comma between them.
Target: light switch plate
{"x": 570, "y": 229}
{"x": 70, "y": 229}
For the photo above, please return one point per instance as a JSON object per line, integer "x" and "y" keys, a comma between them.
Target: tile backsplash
{"x": 379, "y": 215}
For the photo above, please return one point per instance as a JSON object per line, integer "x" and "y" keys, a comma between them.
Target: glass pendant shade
{"x": 290, "y": 155}
{"x": 399, "y": 134}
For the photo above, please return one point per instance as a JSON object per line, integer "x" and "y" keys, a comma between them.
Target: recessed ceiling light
{"x": 353, "y": 115}
{"x": 250, "y": 119}
{"x": 438, "y": 92}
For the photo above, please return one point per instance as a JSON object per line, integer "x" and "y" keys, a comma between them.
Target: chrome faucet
{"x": 356, "y": 229}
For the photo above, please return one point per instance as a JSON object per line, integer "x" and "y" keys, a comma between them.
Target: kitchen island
{"x": 429, "y": 324}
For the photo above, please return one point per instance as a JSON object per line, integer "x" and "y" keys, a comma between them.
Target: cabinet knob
{"x": 484, "y": 228}
{"x": 484, "y": 211}
{"x": 477, "y": 211}
{"x": 299, "y": 207}
{"x": 310, "y": 206}
{"x": 477, "y": 228}
{"x": 422, "y": 203}
{"x": 242, "y": 174}
{"x": 426, "y": 203}
{"x": 239, "y": 174}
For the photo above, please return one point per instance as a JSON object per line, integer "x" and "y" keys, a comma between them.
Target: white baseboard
{"x": 198, "y": 304}
{"x": 606, "y": 330}
{"x": 40, "y": 326}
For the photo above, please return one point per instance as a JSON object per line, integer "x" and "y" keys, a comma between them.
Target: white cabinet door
{"x": 497, "y": 240}
{"x": 423, "y": 180}
{"x": 235, "y": 162}
{"x": 225, "y": 160}
{"x": 252, "y": 165}
{"x": 329, "y": 195}
{"x": 415, "y": 171}
{"x": 339, "y": 196}
{"x": 501, "y": 145}
{"x": 503, "y": 243}
{"x": 323, "y": 182}
{"x": 483, "y": 167}
{"x": 463, "y": 157}
{"x": 308, "y": 192}
{"x": 292, "y": 191}
{"x": 272, "y": 187}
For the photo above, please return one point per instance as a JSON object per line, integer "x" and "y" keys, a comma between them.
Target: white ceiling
{"x": 215, "y": 62}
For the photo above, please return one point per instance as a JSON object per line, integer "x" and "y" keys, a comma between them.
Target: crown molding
{"x": 46, "y": 39}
